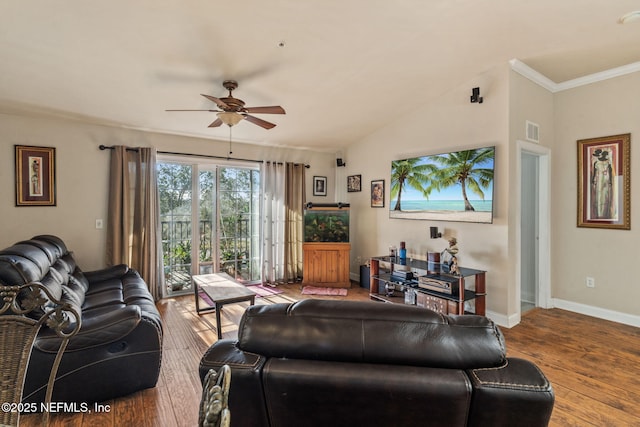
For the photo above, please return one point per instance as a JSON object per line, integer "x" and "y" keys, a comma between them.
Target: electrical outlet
{"x": 591, "y": 282}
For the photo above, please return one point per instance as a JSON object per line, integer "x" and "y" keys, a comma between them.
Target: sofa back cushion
{"x": 44, "y": 259}
{"x": 371, "y": 332}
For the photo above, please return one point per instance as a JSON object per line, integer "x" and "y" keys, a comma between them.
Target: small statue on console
{"x": 449, "y": 256}
{"x": 453, "y": 246}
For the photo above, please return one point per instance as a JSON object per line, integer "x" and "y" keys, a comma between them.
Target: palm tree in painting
{"x": 409, "y": 173}
{"x": 464, "y": 168}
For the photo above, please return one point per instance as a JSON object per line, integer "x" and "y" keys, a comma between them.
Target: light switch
{"x": 98, "y": 223}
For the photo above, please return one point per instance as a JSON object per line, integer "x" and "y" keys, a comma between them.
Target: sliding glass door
{"x": 215, "y": 231}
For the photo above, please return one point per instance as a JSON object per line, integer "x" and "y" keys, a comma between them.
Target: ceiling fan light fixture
{"x": 230, "y": 118}
{"x": 629, "y": 17}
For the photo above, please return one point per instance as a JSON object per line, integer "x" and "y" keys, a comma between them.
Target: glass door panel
{"x": 239, "y": 195}
{"x": 207, "y": 200}
{"x": 175, "y": 189}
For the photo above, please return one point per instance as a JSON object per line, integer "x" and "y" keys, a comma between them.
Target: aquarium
{"x": 326, "y": 223}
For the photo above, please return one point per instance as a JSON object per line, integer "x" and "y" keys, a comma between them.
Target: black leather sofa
{"x": 348, "y": 363}
{"x": 118, "y": 349}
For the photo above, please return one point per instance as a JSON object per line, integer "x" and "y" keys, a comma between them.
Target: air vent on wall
{"x": 533, "y": 132}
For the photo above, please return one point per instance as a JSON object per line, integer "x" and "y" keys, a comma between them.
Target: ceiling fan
{"x": 232, "y": 110}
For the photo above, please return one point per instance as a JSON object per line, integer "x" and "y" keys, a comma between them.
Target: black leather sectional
{"x": 119, "y": 346}
{"x": 349, "y": 363}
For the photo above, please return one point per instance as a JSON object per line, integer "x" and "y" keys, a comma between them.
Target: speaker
{"x": 340, "y": 163}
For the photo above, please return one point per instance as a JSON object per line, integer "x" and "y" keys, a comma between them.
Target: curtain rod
{"x": 208, "y": 156}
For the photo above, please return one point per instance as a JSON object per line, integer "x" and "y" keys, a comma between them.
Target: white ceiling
{"x": 346, "y": 68}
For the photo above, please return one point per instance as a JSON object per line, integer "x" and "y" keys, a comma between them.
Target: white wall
{"x": 83, "y": 171}
{"x": 527, "y": 102}
{"x": 609, "y": 256}
{"x": 448, "y": 123}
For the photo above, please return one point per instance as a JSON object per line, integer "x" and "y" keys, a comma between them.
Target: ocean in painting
{"x": 441, "y": 205}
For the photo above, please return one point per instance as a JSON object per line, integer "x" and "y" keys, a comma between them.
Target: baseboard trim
{"x": 502, "y": 320}
{"x": 601, "y": 313}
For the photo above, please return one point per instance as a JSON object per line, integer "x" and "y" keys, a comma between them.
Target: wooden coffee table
{"x": 221, "y": 289}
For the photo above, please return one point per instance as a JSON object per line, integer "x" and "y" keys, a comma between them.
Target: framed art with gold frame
{"x": 604, "y": 182}
{"x": 377, "y": 193}
{"x": 35, "y": 176}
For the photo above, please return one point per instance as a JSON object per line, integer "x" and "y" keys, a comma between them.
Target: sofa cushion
{"x": 317, "y": 393}
{"x": 370, "y": 332}
{"x": 22, "y": 263}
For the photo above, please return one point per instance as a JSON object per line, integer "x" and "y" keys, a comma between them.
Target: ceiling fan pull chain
{"x": 230, "y": 130}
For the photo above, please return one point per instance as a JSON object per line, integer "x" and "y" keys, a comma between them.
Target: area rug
{"x": 205, "y": 298}
{"x": 316, "y": 290}
{"x": 265, "y": 291}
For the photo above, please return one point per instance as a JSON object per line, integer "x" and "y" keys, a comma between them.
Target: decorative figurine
{"x": 453, "y": 246}
{"x": 449, "y": 256}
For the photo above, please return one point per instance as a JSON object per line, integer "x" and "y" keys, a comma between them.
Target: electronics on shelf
{"x": 439, "y": 283}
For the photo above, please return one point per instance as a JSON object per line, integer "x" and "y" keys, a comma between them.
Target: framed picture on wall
{"x": 354, "y": 183}
{"x": 35, "y": 176}
{"x": 604, "y": 193}
{"x": 377, "y": 193}
{"x": 319, "y": 185}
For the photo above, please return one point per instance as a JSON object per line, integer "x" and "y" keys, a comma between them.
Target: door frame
{"x": 543, "y": 297}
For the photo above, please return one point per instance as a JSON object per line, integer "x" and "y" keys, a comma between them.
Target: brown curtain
{"x": 293, "y": 233}
{"x": 133, "y": 219}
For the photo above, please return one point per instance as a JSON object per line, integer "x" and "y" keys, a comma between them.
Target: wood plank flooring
{"x": 594, "y": 366}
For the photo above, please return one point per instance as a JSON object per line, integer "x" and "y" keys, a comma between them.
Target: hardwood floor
{"x": 594, "y": 366}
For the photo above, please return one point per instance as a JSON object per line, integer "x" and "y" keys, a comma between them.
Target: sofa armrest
{"x": 113, "y": 272}
{"x": 246, "y": 374}
{"x": 515, "y": 394}
{"x": 96, "y": 330}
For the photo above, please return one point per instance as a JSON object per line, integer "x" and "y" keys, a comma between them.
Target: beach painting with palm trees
{"x": 456, "y": 186}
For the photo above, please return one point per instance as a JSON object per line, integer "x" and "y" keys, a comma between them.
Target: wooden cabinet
{"x": 326, "y": 264}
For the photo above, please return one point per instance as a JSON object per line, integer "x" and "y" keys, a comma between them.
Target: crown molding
{"x": 553, "y": 87}
{"x": 536, "y": 77}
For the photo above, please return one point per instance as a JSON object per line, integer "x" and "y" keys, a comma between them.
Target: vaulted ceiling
{"x": 341, "y": 69}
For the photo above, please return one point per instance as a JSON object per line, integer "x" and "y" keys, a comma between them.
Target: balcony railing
{"x": 234, "y": 252}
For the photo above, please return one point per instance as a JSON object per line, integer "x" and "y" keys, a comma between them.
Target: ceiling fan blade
{"x": 256, "y": 121}
{"x": 216, "y": 123}
{"x": 219, "y": 102}
{"x": 211, "y": 111}
{"x": 274, "y": 109}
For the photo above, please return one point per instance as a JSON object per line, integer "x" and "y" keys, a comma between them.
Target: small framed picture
{"x": 354, "y": 183}
{"x": 319, "y": 185}
{"x": 35, "y": 176}
{"x": 377, "y": 193}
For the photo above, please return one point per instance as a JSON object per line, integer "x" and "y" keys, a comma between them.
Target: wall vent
{"x": 533, "y": 132}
